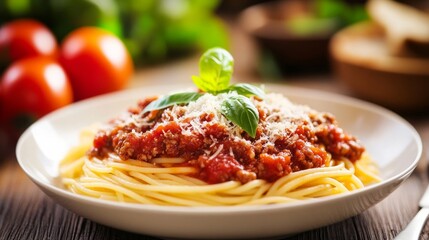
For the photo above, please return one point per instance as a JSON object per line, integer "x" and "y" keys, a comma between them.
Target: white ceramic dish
{"x": 393, "y": 143}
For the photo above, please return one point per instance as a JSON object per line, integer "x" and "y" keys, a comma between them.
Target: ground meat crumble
{"x": 219, "y": 154}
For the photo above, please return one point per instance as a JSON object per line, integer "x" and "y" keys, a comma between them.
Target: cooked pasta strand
{"x": 166, "y": 181}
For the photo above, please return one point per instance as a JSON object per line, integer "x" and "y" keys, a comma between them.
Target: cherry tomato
{"x": 1, "y": 104}
{"x": 25, "y": 38}
{"x": 96, "y": 62}
{"x": 31, "y": 88}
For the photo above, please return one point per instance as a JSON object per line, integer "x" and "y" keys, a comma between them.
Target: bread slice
{"x": 362, "y": 62}
{"x": 365, "y": 44}
{"x": 407, "y": 28}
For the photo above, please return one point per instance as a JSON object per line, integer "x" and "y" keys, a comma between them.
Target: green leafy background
{"x": 152, "y": 30}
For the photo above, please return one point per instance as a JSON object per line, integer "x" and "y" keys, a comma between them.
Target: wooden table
{"x": 26, "y": 213}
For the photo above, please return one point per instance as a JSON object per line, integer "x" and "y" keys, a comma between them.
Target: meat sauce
{"x": 220, "y": 157}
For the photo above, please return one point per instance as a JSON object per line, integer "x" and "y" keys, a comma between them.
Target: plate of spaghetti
{"x": 234, "y": 162}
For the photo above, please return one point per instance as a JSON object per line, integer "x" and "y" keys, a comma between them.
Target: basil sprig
{"x": 216, "y": 68}
{"x": 241, "y": 111}
{"x": 246, "y": 90}
{"x": 170, "y": 100}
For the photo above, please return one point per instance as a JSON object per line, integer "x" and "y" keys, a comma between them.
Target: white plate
{"x": 392, "y": 142}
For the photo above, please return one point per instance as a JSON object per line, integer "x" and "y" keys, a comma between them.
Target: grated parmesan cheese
{"x": 281, "y": 118}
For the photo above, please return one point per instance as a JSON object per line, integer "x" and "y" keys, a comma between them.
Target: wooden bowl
{"x": 293, "y": 53}
{"x": 362, "y": 62}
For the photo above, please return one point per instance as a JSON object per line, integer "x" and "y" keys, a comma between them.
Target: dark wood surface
{"x": 26, "y": 213}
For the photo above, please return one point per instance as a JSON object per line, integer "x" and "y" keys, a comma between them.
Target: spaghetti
{"x": 201, "y": 159}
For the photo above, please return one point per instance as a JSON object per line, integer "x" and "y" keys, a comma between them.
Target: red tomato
{"x": 33, "y": 87}
{"x": 25, "y": 38}
{"x": 96, "y": 62}
{"x": 2, "y": 118}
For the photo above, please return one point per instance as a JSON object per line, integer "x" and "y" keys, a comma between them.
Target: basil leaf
{"x": 241, "y": 111}
{"x": 216, "y": 67}
{"x": 247, "y": 90}
{"x": 170, "y": 100}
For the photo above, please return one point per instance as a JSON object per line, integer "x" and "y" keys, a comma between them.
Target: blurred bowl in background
{"x": 362, "y": 62}
{"x": 289, "y": 32}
